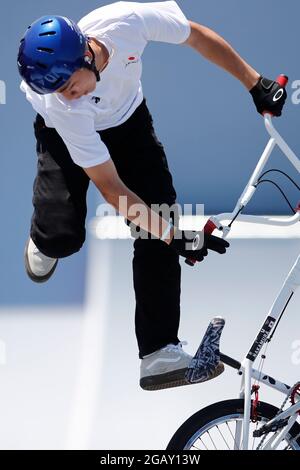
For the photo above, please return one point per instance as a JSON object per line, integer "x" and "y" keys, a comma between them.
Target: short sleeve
{"x": 83, "y": 142}
{"x": 163, "y": 21}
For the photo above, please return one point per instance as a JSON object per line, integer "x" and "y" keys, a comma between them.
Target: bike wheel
{"x": 214, "y": 427}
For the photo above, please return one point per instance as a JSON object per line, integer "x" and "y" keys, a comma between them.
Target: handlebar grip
{"x": 190, "y": 262}
{"x": 208, "y": 229}
{"x": 282, "y": 80}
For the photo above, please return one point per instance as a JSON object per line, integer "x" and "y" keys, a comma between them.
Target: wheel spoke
{"x": 212, "y": 440}
{"x": 223, "y": 437}
{"x": 295, "y": 439}
{"x": 222, "y": 433}
{"x": 236, "y": 444}
{"x": 200, "y": 441}
{"x": 203, "y": 444}
{"x": 197, "y": 448}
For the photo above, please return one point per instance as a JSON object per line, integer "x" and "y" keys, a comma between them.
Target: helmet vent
{"x": 47, "y": 22}
{"x": 45, "y": 49}
{"x": 42, "y": 66}
{"x": 49, "y": 33}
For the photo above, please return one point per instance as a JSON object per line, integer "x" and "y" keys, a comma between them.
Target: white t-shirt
{"x": 124, "y": 28}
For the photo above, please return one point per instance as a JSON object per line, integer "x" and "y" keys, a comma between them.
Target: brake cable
{"x": 275, "y": 170}
{"x": 281, "y": 191}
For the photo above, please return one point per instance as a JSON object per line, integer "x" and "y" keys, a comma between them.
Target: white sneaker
{"x": 165, "y": 368}
{"x": 39, "y": 267}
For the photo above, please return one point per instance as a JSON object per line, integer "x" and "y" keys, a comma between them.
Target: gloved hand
{"x": 268, "y": 96}
{"x": 195, "y": 245}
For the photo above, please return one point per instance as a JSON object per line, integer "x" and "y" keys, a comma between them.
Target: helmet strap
{"x": 90, "y": 62}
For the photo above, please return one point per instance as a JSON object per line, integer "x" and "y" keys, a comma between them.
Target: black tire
{"x": 184, "y": 436}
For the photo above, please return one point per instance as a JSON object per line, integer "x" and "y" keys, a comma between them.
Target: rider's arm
{"x": 112, "y": 188}
{"x": 89, "y": 152}
{"x": 267, "y": 94}
{"x": 193, "y": 245}
{"x": 214, "y": 48}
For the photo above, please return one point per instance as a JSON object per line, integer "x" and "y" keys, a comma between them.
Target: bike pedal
{"x": 206, "y": 364}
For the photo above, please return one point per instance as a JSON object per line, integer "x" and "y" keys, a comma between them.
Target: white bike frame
{"x": 276, "y": 139}
{"x": 248, "y": 373}
{"x": 291, "y": 284}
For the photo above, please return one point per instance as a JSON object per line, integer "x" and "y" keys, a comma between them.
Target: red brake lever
{"x": 282, "y": 80}
{"x": 208, "y": 229}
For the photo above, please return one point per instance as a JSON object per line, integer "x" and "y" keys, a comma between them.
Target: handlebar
{"x": 294, "y": 277}
{"x": 282, "y": 80}
{"x": 215, "y": 222}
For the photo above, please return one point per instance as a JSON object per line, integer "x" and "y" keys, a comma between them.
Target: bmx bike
{"x": 247, "y": 423}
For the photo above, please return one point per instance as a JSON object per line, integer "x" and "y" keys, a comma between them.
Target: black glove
{"x": 195, "y": 245}
{"x": 268, "y": 96}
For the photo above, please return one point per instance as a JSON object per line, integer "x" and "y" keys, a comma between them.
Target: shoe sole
{"x": 173, "y": 379}
{"x": 31, "y": 275}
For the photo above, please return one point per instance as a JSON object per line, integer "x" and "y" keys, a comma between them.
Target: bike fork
{"x": 243, "y": 427}
{"x": 247, "y": 403}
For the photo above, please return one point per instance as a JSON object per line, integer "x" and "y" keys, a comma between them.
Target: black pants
{"x": 58, "y": 221}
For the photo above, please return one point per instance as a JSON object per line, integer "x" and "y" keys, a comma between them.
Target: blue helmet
{"x": 51, "y": 50}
